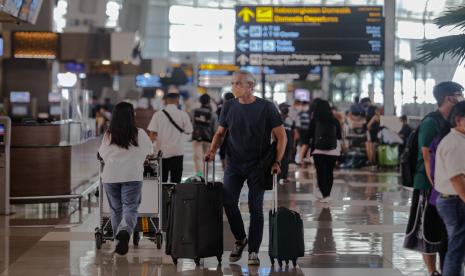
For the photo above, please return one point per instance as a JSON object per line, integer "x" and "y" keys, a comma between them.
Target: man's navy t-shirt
{"x": 249, "y": 127}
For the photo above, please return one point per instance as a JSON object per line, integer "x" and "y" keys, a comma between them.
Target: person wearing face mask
{"x": 425, "y": 230}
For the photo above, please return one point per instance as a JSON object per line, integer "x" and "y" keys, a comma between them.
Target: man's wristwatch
{"x": 278, "y": 162}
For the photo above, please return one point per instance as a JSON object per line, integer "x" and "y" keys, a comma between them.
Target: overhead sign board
{"x": 219, "y": 75}
{"x": 311, "y": 35}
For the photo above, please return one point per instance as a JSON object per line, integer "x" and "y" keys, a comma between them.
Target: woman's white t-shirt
{"x": 125, "y": 165}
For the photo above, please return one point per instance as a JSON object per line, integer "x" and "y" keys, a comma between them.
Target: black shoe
{"x": 122, "y": 240}
{"x": 236, "y": 253}
{"x": 435, "y": 273}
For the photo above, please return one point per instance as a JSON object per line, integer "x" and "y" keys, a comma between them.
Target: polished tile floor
{"x": 359, "y": 233}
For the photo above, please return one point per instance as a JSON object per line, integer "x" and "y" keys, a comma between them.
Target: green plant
{"x": 453, "y": 45}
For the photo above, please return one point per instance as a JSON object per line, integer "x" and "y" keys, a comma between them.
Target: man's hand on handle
{"x": 276, "y": 169}
{"x": 210, "y": 156}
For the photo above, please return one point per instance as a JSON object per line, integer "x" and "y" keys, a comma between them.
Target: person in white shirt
{"x": 169, "y": 129}
{"x": 124, "y": 149}
{"x": 450, "y": 183}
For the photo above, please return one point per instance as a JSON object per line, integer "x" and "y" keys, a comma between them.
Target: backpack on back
{"x": 202, "y": 125}
{"x": 409, "y": 159}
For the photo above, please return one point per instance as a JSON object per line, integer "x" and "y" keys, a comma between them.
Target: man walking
{"x": 204, "y": 121}
{"x": 250, "y": 123}
{"x": 168, "y": 129}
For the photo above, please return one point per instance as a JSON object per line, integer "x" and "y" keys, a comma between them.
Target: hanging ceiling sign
{"x": 311, "y": 35}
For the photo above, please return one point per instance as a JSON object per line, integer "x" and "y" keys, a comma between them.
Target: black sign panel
{"x": 313, "y": 35}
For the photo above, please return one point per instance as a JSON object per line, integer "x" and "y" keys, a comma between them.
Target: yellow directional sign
{"x": 246, "y": 14}
{"x": 264, "y": 14}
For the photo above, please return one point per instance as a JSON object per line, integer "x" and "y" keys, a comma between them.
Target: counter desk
{"x": 43, "y": 165}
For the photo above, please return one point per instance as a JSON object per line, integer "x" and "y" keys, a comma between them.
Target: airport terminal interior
{"x": 66, "y": 65}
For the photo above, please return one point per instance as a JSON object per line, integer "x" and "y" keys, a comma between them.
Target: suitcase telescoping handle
{"x": 206, "y": 173}
{"x": 275, "y": 193}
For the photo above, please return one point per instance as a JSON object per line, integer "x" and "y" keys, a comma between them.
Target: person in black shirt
{"x": 250, "y": 122}
{"x": 405, "y": 131}
{"x": 326, "y": 135}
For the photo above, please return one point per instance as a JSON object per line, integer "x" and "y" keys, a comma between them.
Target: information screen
{"x": 12, "y": 6}
{"x": 55, "y": 110}
{"x": 20, "y": 97}
{"x": 54, "y": 97}
{"x": 19, "y": 110}
{"x": 309, "y": 35}
{"x": 302, "y": 95}
{"x": 30, "y": 10}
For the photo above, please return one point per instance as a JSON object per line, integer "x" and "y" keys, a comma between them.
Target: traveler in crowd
{"x": 289, "y": 126}
{"x": 251, "y": 123}
{"x": 326, "y": 134}
{"x": 303, "y": 125}
{"x": 123, "y": 150}
{"x": 405, "y": 131}
{"x": 450, "y": 183}
{"x": 373, "y": 125}
{"x": 226, "y": 97}
{"x": 365, "y": 103}
{"x": 168, "y": 129}
{"x": 356, "y": 109}
{"x": 424, "y": 220}
{"x": 204, "y": 127}
{"x": 294, "y": 114}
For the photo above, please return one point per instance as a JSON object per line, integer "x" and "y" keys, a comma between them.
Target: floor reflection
{"x": 359, "y": 233}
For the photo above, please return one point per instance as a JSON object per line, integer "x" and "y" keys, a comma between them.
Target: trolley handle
{"x": 206, "y": 172}
{"x": 275, "y": 193}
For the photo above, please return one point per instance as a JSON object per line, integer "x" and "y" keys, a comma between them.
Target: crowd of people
{"x": 243, "y": 128}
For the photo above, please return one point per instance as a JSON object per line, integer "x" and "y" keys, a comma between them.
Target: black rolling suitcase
{"x": 195, "y": 220}
{"x": 286, "y": 232}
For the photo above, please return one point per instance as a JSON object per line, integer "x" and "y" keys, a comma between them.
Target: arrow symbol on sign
{"x": 246, "y": 13}
{"x": 243, "y": 31}
{"x": 242, "y": 59}
{"x": 243, "y": 45}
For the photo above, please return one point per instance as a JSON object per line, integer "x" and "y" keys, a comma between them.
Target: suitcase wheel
{"x": 220, "y": 259}
{"x": 197, "y": 261}
{"x": 294, "y": 262}
{"x": 136, "y": 238}
{"x": 175, "y": 260}
{"x": 98, "y": 240}
{"x": 159, "y": 240}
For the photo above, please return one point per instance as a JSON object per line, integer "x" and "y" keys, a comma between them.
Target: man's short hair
{"x": 403, "y": 118}
{"x": 204, "y": 99}
{"x": 457, "y": 111}
{"x": 444, "y": 89}
{"x": 249, "y": 76}
{"x": 365, "y": 100}
{"x": 172, "y": 96}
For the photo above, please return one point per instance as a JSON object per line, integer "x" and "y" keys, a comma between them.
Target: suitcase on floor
{"x": 388, "y": 155}
{"x": 286, "y": 233}
{"x": 195, "y": 220}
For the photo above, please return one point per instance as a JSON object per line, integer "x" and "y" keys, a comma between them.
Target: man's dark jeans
{"x": 234, "y": 178}
{"x": 452, "y": 212}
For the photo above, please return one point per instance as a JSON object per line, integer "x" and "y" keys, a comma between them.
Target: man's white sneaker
{"x": 325, "y": 200}
{"x": 253, "y": 259}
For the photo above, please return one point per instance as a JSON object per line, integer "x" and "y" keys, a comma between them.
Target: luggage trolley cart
{"x": 148, "y": 222}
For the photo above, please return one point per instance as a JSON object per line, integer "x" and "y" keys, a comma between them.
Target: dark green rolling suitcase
{"x": 286, "y": 233}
